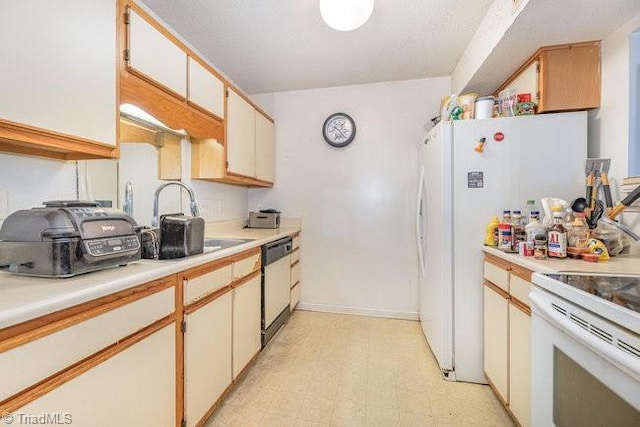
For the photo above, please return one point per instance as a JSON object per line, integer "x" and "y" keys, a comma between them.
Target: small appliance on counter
{"x": 66, "y": 238}
{"x": 177, "y": 235}
{"x": 181, "y": 236}
{"x": 268, "y": 218}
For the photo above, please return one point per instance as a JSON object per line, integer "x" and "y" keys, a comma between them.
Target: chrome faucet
{"x": 128, "y": 199}
{"x": 194, "y": 206}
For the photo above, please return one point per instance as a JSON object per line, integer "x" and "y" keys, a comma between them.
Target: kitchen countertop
{"x": 618, "y": 265}
{"x": 24, "y": 298}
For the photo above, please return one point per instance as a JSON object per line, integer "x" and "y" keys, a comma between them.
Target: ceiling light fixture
{"x": 346, "y": 15}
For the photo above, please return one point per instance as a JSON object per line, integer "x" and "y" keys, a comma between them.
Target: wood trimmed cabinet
{"x": 232, "y": 139}
{"x": 507, "y": 335}
{"x": 164, "y": 353}
{"x": 127, "y": 355}
{"x": 70, "y": 111}
{"x": 248, "y": 155}
{"x": 560, "y": 78}
{"x": 221, "y": 329}
{"x": 295, "y": 272}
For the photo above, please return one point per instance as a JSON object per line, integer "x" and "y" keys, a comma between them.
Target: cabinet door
{"x": 241, "y": 136}
{"x": 205, "y": 89}
{"x": 571, "y": 77}
{"x": 496, "y": 340}
{"x": 59, "y": 66}
{"x": 136, "y": 387}
{"x": 64, "y": 348}
{"x": 246, "y": 323}
{"x": 265, "y": 148}
{"x": 520, "y": 365}
{"x": 207, "y": 357}
{"x": 152, "y": 54}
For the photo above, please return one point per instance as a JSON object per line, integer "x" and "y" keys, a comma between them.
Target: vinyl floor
{"x": 339, "y": 370}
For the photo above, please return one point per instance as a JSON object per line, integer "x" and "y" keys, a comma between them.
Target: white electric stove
{"x": 585, "y": 350}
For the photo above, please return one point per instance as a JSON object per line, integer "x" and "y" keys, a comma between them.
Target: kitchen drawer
{"x": 295, "y": 273}
{"x": 496, "y": 275}
{"x": 295, "y": 296}
{"x": 45, "y": 356}
{"x": 200, "y": 286}
{"x": 296, "y": 242}
{"x": 519, "y": 289}
{"x": 246, "y": 266}
{"x": 295, "y": 256}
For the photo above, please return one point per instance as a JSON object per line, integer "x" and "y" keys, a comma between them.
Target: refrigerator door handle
{"x": 419, "y": 222}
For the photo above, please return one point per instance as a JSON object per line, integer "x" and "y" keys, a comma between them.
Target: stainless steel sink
{"x": 219, "y": 244}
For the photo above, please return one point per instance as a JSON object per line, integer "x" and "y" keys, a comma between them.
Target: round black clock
{"x": 339, "y": 130}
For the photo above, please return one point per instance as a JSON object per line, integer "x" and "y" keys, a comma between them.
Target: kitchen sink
{"x": 211, "y": 245}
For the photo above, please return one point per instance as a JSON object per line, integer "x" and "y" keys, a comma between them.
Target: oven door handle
{"x": 624, "y": 361}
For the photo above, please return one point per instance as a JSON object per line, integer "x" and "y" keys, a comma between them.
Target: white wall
{"x": 217, "y": 202}
{"x": 357, "y": 203}
{"x": 609, "y": 125}
{"x": 30, "y": 181}
{"x": 138, "y": 164}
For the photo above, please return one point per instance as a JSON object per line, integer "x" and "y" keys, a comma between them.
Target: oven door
{"x": 582, "y": 373}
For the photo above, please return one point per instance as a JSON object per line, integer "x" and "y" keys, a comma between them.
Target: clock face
{"x": 339, "y": 130}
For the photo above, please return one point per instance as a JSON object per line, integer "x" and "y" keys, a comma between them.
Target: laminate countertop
{"x": 24, "y": 298}
{"x": 618, "y": 265}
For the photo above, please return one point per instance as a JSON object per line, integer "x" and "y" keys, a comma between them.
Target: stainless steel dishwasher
{"x": 276, "y": 286}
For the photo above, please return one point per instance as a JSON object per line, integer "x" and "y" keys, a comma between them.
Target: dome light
{"x": 346, "y": 15}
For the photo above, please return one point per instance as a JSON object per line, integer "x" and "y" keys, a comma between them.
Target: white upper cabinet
{"x": 58, "y": 67}
{"x": 155, "y": 56}
{"x": 205, "y": 89}
{"x": 265, "y": 148}
{"x": 241, "y": 136}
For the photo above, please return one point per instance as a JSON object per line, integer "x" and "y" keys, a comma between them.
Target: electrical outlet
{"x": 205, "y": 206}
{"x": 4, "y": 204}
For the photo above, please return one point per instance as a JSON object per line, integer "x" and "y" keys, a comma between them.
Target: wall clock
{"x": 339, "y": 130}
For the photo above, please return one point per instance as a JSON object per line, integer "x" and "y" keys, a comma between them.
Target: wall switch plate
{"x": 4, "y": 204}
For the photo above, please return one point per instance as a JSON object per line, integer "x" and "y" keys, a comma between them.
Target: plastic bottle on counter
{"x": 529, "y": 207}
{"x": 519, "y": 234}
{"x": 491, "y": 235}
{"x": 534, "y": 227}
{"x": 578, "y": 234}
{"x": 557, "y": 236}
{"x": 506, "y": 216}
{"x": 505, "y": 232}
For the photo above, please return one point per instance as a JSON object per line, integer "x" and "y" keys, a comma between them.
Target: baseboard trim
{"x": 371, "y": 312}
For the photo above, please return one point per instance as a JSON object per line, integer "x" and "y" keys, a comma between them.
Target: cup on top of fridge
{"x": 507, "y": 100}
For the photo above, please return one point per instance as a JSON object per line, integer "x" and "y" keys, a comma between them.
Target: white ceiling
{"x": 276, "y": 45}
{"x": 547, "y": 23}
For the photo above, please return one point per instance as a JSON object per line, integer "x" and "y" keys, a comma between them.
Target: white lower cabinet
{"x": 207, "y": 356}
{"x": 507, "y": 336}
{"x": 496, "y": 341}
{"x": 135, "y": 387}
{"x": 520, "y": 365}
{"x": 246, "y": 323}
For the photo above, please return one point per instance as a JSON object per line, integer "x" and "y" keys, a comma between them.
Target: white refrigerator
{"x": 459, "y": 191}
